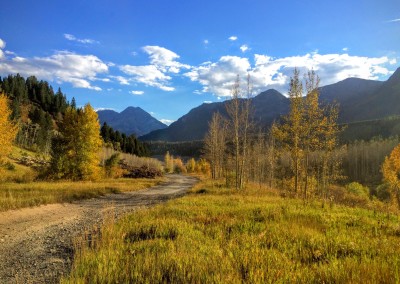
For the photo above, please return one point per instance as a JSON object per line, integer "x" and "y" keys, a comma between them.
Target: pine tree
{"x": 8, "y": 129}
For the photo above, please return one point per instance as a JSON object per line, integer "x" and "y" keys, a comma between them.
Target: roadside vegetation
{"x": 220, "y": 235}
{"x": 273, "y": 208}
{"x": 285, "y": 205}
{"x": 20, "y": 195}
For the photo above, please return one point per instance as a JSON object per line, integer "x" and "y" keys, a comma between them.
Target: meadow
{"x": 219, "y": 235}
{"x": 20, "y": 188}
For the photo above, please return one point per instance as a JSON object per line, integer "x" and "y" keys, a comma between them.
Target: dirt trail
{"x": 36, "y": 243}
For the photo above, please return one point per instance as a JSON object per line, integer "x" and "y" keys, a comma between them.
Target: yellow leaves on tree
{"x": 76, "y": 151}
{"x": 8, "y": 129}
{"x": 391, "y": 173}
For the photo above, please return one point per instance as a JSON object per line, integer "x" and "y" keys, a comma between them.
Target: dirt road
{"x": 36, "y": 243}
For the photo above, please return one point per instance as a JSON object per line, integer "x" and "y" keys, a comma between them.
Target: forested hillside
{"x": 39, "y": 110}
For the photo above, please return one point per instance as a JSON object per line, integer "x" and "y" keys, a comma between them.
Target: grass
{"x": 18, "y": 188}
{"x": 215, "y": 235}
{"x": 19, "y": 195}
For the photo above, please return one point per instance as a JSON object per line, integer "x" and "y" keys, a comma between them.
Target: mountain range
{"x": 132, "y": 120}
{"x": 358, "y": 100}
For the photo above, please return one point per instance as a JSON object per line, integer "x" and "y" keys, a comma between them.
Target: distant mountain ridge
{"x": 132, "y": 120}
{"x": 358, "y": 100}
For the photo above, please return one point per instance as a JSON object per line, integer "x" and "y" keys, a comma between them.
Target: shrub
{"x": 111, "y": 165}
{"x": 382, "y": 192}
{"x": 358, "y": 189}
{"x": 179, "y": 167}
{"x": 10, "y": 166}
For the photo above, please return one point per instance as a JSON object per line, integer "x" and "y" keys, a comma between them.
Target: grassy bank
{"x": 216, "y": 235}
{"x": 19, "y": 195}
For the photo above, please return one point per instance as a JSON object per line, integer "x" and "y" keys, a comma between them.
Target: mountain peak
{"x": 395, "y": 76}
{"x": 132, "y": 120}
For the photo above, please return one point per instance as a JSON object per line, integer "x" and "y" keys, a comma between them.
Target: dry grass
{"x": 132, "y": 160}
{"x": 19, "y": 195}
{"x": 217, "y": 235}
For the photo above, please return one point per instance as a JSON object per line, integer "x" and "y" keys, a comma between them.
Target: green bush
{"x": 10, "y": 166}
{"x": 358, "y": 189}
{"x": 382, "y": 192}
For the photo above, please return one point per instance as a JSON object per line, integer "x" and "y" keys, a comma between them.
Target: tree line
{"x": 40, "y": 111}
{"x": 298, "y": 152}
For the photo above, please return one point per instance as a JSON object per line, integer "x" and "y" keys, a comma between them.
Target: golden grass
{"x": 19, "y": 195}
{"x": 217, "y": 235}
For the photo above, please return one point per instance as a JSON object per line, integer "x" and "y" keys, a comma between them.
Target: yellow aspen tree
{"x": 313, "y": 119}
{"x": 90, "y": 143}
{"x": 191, "y": 165}
{"x": 239, "y": 118}
{"x": 290, "y": 134}
{"x": 8, "y": 129}
{"x": 391, "y": 174}
{"x": 76, "y": 151}
{"x": 214, "y": 144}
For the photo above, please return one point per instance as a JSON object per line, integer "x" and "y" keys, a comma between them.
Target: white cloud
{"x": 84, "y": 41}
{"x": 233, "y": 38}
{"x": 268, "y": 72}
{"x": 167, "y": 121}
{"x": 244, "y": 48}
{"x": 345, "y": 49}
{"x": 218, "y": 77}
{"x": 206, "y": 41}
{"x": 148, "y": 75}
{"x": 2, "y": 46}
{"x": 164, "y": 59}
{"x": 394, "y": 20}
{"x": 137, "y": 93}
{"x": 79, "y": 70}
{"x": 207, "y": 102}
{"x": 162, "y": 63}
{"x": 104, "y": 108}
{"x": 393, "y": 61}
{"x": 122, "y": 80}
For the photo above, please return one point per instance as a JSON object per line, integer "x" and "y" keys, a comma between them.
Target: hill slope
{"x": 133, "y": 120}
{"x": 358, "y": 100}
{"x": 267, "y": 106}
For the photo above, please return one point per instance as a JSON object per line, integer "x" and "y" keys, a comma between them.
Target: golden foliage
{"x": 76, "y": 154}
{"x": 8, "y": 129}
{"x": 391, "y": 173}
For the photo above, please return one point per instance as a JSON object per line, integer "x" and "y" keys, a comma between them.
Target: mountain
{"x": 133, "y": 120}
{"x": 267, "y": 105}
{"x": 383, "y": 102}
{"x": 347, "y": 94}
{"x": 358, "y": 100}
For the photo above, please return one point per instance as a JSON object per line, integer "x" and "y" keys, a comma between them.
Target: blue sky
{"x": 170, "y": 56}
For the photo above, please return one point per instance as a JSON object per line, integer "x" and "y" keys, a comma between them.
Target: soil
{"x": 36, "y": 244}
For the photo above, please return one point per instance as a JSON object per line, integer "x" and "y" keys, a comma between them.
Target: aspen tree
{"x": 214, "y": 144}
{"x": 8, "y": 129}
{"x": 290, "y": 134}
{"x": 391, "y": 174}
{"x": 75, "y": 152}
